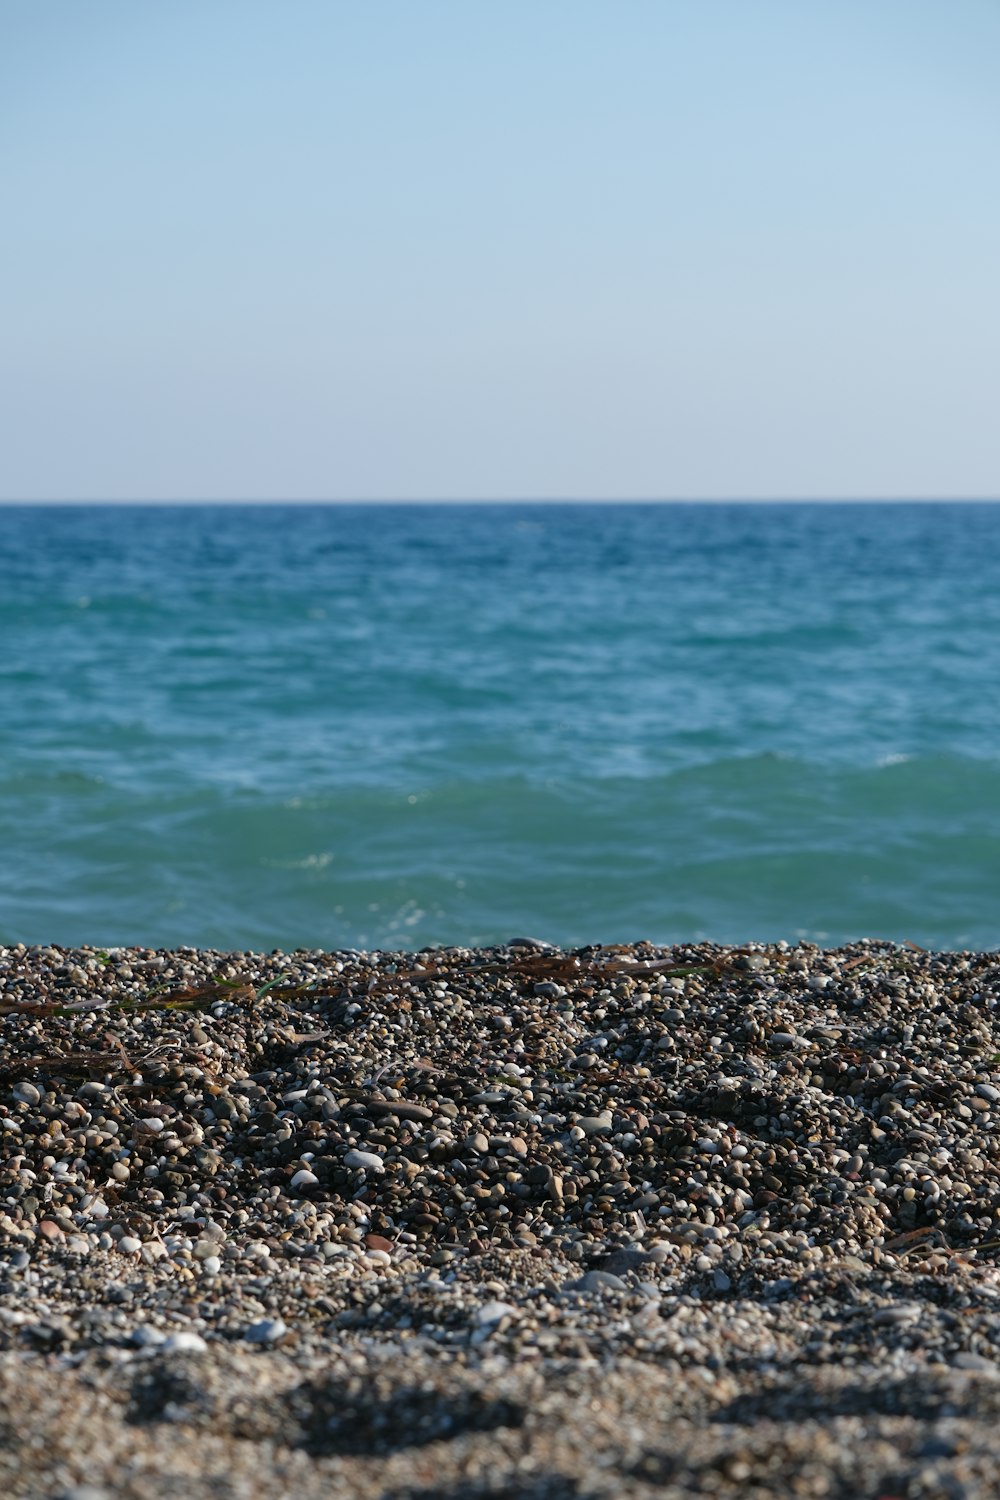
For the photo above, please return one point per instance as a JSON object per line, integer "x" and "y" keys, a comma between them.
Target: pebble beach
{"x": 625, "y": 1220}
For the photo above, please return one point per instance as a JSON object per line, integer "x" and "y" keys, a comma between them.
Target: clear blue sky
{"x": 438, "y": 248}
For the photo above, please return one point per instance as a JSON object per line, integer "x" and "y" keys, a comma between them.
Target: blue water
{"x": 387, "y": 726}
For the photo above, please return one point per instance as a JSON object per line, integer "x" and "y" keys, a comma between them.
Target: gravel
{"x": 624, "y": 1221}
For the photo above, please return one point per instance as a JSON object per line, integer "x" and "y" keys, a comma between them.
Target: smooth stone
{"x": 267, "y": 1331}
{"x": 184, "y": 1342}
{"x": 903, "y": 1312}
{"x": 627, "y": 1260}
{"x": 129, "y": 1245}
{"x": 304, "y": 1178}
{"x": 26, "y": 1093}
{"x": 145, "y": 1337}
{"x": 965, "y": 1360}
{"x": 401, "y": 1108}
{"x": 378, "y": 1242}
{"x": 601, "y": 1124}
{"x": 494, "y": 1312}
{"x": 364, "y": 1160}
{"x": 598, "y": 1281}
{"x": 988, "y": 1092}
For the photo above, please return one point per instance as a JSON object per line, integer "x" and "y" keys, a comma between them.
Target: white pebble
{"x": 129, "y": 1245}
{"x": 366, "y": 1159}
{"x": 184, "y": 1343}
{"x": 494, "y": 1312}
{"x": 303, "y": 1178}
{"x": 146, "y": 1336}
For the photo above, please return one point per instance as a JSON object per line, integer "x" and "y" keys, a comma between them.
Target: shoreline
{"x": 631, "y": 1220}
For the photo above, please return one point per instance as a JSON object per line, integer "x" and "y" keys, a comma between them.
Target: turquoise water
{"x": 387, "y": 726}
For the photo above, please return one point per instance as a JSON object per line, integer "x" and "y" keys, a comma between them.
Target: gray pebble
{"x": 366, "y": 1160}
{"x": 598, "y": 1281}
{"x": 267, "y": 1331}
{"x": 967, "y": 1361}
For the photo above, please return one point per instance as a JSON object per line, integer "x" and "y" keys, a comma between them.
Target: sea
{"x": 394, "y": 726}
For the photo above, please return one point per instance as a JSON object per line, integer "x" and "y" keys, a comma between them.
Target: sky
{"x": 311, "y": 249}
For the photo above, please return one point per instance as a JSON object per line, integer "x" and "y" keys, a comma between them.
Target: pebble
{"x": 598, "y": 1281}
{"x": 303, "y": 1178}
{"x": 266, "y": 1331}
{"x": 366, "y": 1160}
{"x": 184, "y": 1342}
{"x": 495, "y": 1312}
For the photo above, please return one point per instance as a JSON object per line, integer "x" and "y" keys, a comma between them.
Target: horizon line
{"x": 54, "y": 500}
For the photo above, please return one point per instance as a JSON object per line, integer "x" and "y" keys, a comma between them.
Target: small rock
{"x": 303, "y": 1178}
{"x": 26, "y": 1093}
{"x": 378, "y": 1242}
{"x": 145, "y": 1336}
{"x": 625, "y": 1260}
{"x": 494, "y": 1312}
{"x": 902, "y": 1312}
{"x": 364, "y": 1160}
{"x": 401, "y": 1108}
{"x": 598, "y": 1281}
{"x": 129, "y": 1245}
{"x": 184, "y": 1342}
{"x": 267, "y": 1331}
{"x": 968, "y": 1361}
